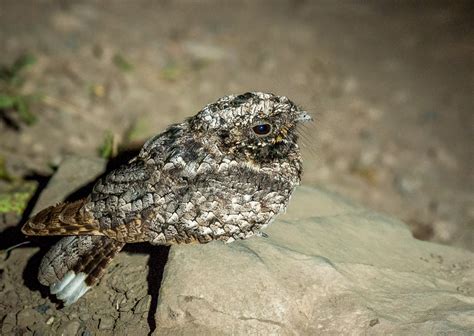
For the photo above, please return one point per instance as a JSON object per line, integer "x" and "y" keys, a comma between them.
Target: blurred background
{"x": 390, "y": 84}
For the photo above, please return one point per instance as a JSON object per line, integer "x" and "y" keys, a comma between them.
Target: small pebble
{"x": 143, "y": 305}
{"x": 43, "y": 308}
{"x": 106, "y": 323}
{"x": 70, "y": 329}
{"x": 85, "y": 316}
{"x": 28, "y": 317}
{"x": 373, "y": 322}
{"x": 8, "y": 323}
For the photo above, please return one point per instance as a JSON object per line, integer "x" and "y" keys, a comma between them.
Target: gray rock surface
{"x": 328, "y": 267}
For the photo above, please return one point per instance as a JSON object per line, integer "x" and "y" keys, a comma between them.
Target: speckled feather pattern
{"x": 187, "y": 185}
{"x": 211, "y": 177}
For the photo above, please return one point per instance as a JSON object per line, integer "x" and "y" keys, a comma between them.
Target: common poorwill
{"x": 223, "y": 174}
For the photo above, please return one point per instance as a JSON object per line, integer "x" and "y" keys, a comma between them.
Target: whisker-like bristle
{"x": 307, "y": 141}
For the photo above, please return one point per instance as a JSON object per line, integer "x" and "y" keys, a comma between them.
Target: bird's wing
{"x": 138, "y": 199}
{"x": 62, "y": 219}
{"x": 130, "y": 201}
{"x": 108, "y": 210}
{"x": 117, "y": 200}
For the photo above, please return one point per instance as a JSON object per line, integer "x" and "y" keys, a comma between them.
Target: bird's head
{"x": 259, "y": 126}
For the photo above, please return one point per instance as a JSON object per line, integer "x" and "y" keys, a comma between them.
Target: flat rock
{"x": 328, "y": 267}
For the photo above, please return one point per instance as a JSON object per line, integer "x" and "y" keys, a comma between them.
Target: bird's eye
{"x": 262, "y": 129}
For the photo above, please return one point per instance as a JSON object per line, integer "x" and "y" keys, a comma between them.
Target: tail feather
{"x": 62, "y": 219}
{"x": 75, "y": 264}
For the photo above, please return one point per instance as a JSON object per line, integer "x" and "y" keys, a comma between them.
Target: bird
{"x": 223, "y": 174}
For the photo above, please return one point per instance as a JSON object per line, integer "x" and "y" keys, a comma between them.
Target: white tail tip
{"x": 70, "y": 288}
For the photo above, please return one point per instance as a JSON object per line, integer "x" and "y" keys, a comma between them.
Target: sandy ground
{"x": 389, "y": 84}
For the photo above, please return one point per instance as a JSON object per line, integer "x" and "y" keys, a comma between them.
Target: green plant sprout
{"x": 11, "y": 82}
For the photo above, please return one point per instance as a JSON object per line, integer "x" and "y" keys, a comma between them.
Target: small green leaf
{"x": 23, "y": 107}
{"x": 121, "y": 63}
{"x": 107, "y": 150}
{"x": 23, "y": 62}
{"x": 6, "y": 101}
{"x": 11, "y": 82}
{"x": 16, "y": 200}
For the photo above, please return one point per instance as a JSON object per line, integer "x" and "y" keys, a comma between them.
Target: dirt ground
{"x": 390, "y": 85}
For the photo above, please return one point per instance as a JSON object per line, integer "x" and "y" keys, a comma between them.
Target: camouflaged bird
{"x": 223, "y": 174}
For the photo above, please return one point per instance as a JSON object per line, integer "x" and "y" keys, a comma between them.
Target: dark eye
{"x": 262, "y": 129}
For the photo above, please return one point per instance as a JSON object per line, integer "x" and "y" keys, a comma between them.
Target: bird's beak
{"x": 303, "y": 116}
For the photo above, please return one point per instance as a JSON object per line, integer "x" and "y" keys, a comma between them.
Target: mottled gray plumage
{"x": 223, "y": 174}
